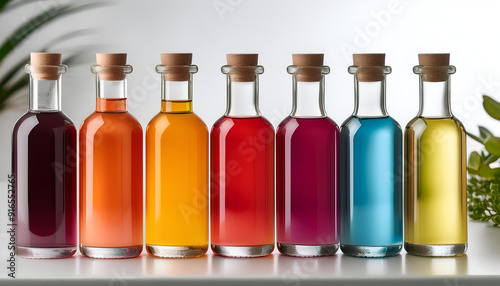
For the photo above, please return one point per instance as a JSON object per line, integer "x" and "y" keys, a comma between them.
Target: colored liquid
{"x": 242, "y": 182}
{"x": 44, "y": 162}
{"x": 307, "y": 181}
{"x": 111, "y": 178}
{"x": 435, "y": 188}
{"x": 176, "y": 178}
{"x": 371, "y": 168}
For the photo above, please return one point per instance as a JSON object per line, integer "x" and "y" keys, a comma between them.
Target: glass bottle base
{"x": 165, "y": 251}
{"x": 443, "y": 250}
{"x": 45, "y": 252}
{"x": 243, "y": 251}
{"x": 111, "y": 252}
{"x": 301, "y": 250}
{"x": 370, "y": 251}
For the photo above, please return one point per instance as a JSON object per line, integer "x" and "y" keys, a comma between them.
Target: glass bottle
{"x": 44, "y": 165}
{"x": 176, "y": 167}
{"x": 242, "y": 167}
{"x": 307, "y": 144}
{"x": 435, "y": 167}
{"x": 371, "y": 167}
{"x": 111, "y": 168}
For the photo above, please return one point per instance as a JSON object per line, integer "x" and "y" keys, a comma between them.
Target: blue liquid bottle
{"x": 371, "y": 166}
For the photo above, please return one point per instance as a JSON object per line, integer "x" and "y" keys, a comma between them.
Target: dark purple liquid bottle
{"x": 307, "y": 181}
{"x": 44, "y": 162}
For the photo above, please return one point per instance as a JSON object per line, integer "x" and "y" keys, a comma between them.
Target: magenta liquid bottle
{"x": 307, "y": 144}
{"x": 44, "y": 165}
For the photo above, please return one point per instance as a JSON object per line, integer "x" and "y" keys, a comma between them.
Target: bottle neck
{"x": 369, "y": 99}
{"x": 242, "y": 98}
{"x": 176, "y": 96}
{"x": 435, "y": 99}
{"x": 45, "y": 95}
{"x": 308, "y": 98}
{"x": 111, "y": 95}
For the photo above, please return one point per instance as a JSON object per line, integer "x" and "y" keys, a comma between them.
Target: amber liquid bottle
{"x": 111, "y": 168}
{"x": 176, "y": 167}
{"x": 44, "y": 165}
{"x": 435, "y": 222}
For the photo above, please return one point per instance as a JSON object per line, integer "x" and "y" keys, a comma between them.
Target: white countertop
{"x": 481, "y": 266}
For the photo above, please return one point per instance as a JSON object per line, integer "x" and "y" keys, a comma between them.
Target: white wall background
{"x": 274, "y": 29}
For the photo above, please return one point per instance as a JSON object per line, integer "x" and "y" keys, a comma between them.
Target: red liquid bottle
{"x": 307, "y": 144}
{"x": 44, "y": 165}
{"x": 242, "y": 167}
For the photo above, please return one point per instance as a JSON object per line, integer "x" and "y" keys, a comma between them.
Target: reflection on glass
{"x": 415, "y": 265}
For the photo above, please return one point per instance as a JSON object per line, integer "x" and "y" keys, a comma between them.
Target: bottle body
{"x": 176, "y": 185}
{"x": 111, "y": 183}
{"x": 242, "y": 186}
{"x": 435, "y": 198}
{"x": 44, "y": 164}
{"x": 307, "y": 186}
{"x": 371, "y": 151}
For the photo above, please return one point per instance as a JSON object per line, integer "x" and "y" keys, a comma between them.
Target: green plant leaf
{"x": 7, "y": 92}
{"x": 470, "y": 170}
{"x": 492, "y": 145}
{"x": 475, "y": 161}
{"x": 484, "y": 133}
{"x": 16, "y": 4}
{"x": 490, "y": 159}
{"x": 3, "y": 3}
{"x": 15, "y": 69}
{"x": 490, "y": 173}
{"x": 492, "y": 107}
{"x": 20, "y": 83}
{"x": 478, "y": 139}
{"x": 36, "y": 22}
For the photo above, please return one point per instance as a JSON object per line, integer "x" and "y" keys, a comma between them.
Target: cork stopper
{"x": 111, "y": 66}
{"x": 369, "y": 67}
{"x": 434, "y": 59}
{"x": 435, "y": 67}
{"x": 243, "y": 66}
{"x": 310, "y": 64}
{"x": 369, "y": 60}
{"x": 45, "y": 66}
{"x": 178, "y": 63}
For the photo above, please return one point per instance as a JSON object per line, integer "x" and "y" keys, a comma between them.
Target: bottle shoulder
{"x": 111, "y": 122}
{"x": 44, "y": 119}
{"x": 448, "y": 121}
{"x": 228, "y": 124}
{"x": 381, "y": 123}
{"x": 55, "y": 119}
{"x": 185, "y": 120}
{"x": 421, "y": 125}
{"x": 322, "y": 123}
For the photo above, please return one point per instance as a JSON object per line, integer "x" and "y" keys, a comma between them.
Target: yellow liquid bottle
{"x": 435, "y": 168}
{"x": 176, "y": 168}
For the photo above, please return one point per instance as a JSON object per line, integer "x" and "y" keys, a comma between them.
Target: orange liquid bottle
{"x": 176, "y": 167}
{"x": 111, "y": 168}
